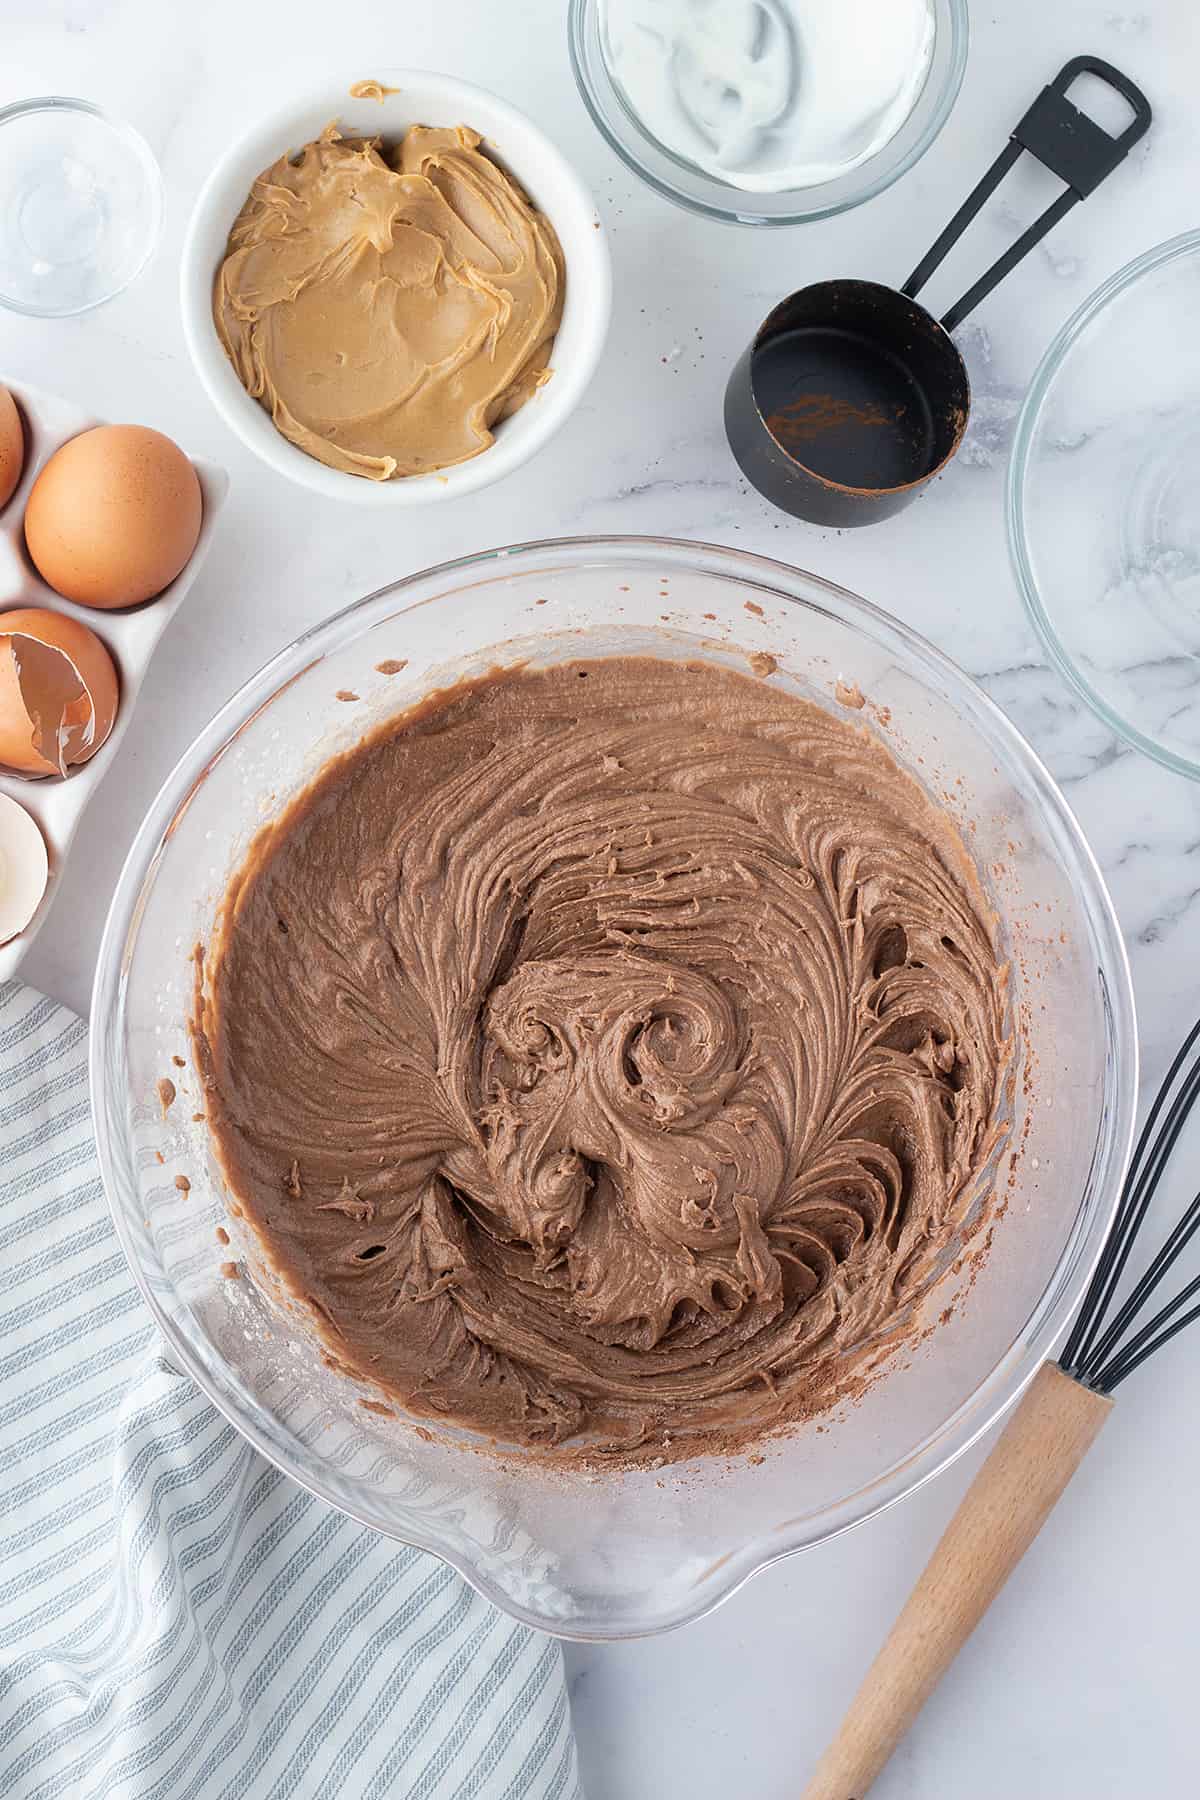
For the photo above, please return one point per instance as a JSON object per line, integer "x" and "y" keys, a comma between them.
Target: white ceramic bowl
{"x": 422, "y": 98}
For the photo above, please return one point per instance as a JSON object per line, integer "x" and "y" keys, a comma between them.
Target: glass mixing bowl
{"x": 687, "y": 185}
{"x": 1104, "y": 504}
{"x": 616, "y": 1554}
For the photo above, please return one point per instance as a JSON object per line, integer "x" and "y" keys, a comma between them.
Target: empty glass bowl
{"x": 80, "y": 206}
{"x": 1104, "y": 502}
{"x": 616, "y": 1554}
{"x": 690, "y": 186}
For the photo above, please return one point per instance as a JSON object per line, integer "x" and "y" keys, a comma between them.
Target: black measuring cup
{"x": 853, "y": 396}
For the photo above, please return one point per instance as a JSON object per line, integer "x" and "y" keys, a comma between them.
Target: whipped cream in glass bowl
{"x": 769, "y": 111}
{"x": 770, "y": 94}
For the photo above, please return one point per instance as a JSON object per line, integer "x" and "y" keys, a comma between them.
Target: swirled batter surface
{"x": 607, "y": 1052}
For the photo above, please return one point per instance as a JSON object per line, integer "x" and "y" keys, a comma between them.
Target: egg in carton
{"x": 34, "y": 843}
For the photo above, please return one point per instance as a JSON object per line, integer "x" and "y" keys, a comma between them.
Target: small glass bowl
{"x": 80, "y": 206}
{"x": 1103, "y": 504}
{"x": 681, "y": 181}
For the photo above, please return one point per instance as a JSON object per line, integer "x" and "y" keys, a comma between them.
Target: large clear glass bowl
{"x": 687, "y": 185}
{"x": 617, "y": 1554}
{"x": 1104, "y": 502}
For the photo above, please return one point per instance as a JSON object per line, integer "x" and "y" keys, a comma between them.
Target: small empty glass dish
{"x": 689, "y": 185}
{"x": 1104, "y": 503}
{"x": 80, "y": 206}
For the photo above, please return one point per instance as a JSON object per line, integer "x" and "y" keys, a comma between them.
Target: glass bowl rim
{"x": 58, "y": 103}
{"x": 1053, "y": 362}
{"x": 1064, "y": 1284}
{"x": 578, "y": 18}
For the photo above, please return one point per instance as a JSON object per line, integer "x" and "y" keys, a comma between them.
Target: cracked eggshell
{"x": 24, "y": 868}
{"x": 58, "y": 700}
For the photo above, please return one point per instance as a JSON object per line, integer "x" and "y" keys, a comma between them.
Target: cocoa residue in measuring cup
{"x": 811, "y": 415}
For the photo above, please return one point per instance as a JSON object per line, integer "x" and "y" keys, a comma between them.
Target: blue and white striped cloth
{"x": 178, "y": 1621}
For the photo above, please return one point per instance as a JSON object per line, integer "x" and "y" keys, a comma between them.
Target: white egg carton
{"x": 55, "y": 802}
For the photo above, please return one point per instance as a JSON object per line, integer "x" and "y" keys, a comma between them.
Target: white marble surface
{"x": 1081, "y": 1684}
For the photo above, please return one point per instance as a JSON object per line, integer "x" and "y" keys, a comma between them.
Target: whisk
{"x": 1033, "y": 1460}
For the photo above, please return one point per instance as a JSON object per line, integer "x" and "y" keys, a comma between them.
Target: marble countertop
{"x": 1081, "y": 1682}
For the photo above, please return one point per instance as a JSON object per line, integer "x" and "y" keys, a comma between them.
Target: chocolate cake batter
{"x": 607, "y": 1052}
{"x": 388, "y": 312}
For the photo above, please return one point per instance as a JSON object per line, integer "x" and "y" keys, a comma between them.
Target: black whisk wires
{"x": 1101, "y": 1355}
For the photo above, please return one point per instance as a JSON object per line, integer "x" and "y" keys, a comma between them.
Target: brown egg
{"x": 114, "y": 516}
{"x": 12, "y": 446}
{"x": 58, "y": 691}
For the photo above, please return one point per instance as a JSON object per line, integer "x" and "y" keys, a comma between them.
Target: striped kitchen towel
{"x": 178, "y": 1621}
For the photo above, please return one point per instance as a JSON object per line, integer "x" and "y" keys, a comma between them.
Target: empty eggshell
{"x": 24, "y": 868}
{"x": 58, "y": 692}
{"x": 12, "y": 446}
{"x": 114, "y": 516}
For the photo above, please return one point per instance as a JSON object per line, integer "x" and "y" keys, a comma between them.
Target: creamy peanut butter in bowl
{"x": 396, "y": 290}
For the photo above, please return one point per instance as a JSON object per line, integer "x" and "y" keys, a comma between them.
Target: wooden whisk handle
{"x": 1002, "y": 1512}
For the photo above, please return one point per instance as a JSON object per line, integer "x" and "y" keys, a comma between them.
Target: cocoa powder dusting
{"x": 803, "y": 420}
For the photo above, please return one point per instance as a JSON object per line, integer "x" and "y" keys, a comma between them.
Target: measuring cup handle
{"x": 1070, "y": 144}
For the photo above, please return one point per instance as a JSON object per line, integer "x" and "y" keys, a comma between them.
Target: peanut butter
{"x": 387, "y": 314}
